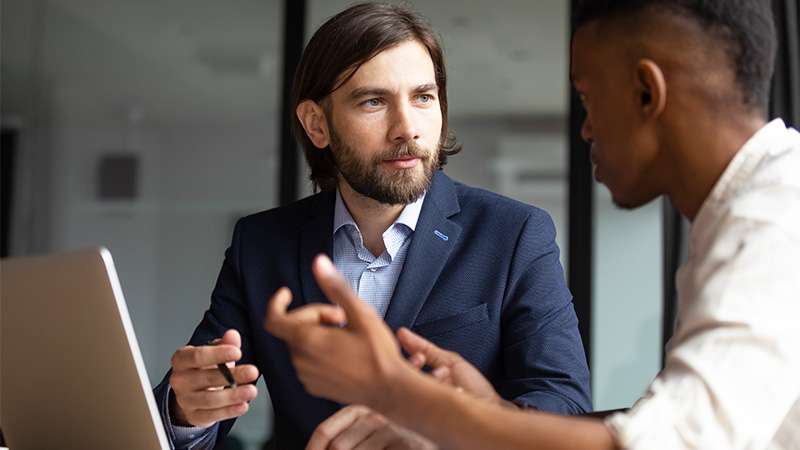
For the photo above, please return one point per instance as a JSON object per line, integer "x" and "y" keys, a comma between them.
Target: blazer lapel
{"x": 316, "y": 236}
{"x": 434, "y": 239}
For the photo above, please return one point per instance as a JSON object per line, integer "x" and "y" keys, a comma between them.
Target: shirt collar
{"x": 393, "y": 237}
{"x": 738, "y": 171}
{"x": 409, "y": 217}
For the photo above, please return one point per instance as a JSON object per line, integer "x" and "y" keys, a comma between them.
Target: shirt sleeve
{"x": 732, "y": 368}
{"x": 190, "y": 438}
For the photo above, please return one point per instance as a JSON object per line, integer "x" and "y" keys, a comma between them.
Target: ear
{"x": 652, "y": 88}
{"x": 312, "y": 117}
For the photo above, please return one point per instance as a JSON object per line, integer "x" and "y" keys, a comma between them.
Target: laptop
{"x": 71, "y": 373}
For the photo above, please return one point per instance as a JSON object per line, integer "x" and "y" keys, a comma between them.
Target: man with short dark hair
{"x": 675, "y": 93}
{"x": 470, "y": 270}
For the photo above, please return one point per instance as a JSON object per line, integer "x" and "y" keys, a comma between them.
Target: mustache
{"x": 406, "y": 150}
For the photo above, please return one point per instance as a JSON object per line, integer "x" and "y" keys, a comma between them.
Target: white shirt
{"x": 732, "y": 373}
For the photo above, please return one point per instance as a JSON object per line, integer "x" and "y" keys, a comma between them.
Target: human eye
{"x": 372, "y": 102}
{"x": 425, "y": 98}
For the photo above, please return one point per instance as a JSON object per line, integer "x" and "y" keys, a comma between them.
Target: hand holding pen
{"x": 207, "y": 383}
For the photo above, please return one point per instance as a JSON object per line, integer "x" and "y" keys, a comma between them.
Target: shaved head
{"x": 698, "y": 36}
{"x": 695, "y": 68}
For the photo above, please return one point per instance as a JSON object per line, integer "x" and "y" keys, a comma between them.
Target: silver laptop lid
{"x": 71, "y": 373}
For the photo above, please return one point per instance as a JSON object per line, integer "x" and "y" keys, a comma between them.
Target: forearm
{"x": 455, "y": 419}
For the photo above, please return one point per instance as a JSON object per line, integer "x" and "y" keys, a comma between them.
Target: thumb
{"x": 339, "y": 292}
{"x": 232, "y": 337}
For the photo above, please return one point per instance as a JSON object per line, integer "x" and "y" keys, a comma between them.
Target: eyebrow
{"x": 369, "y": 91}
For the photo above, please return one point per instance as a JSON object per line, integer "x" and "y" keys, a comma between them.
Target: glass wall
{"x": 626, "y": 300}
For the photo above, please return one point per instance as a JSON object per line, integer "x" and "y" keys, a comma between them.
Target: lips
{"x": 406, "y": 162}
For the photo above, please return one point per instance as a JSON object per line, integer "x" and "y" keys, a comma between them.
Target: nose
{"x": 586, "y": 130}
{"x": 403, "y": 128}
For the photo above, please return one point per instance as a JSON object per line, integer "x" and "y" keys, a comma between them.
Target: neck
{"x": 372, "y": 217}
{"x": 704, "y": 151}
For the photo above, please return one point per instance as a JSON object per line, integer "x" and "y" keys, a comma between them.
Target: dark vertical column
{"x": 581, "y": 218}
{"x": 785, "y": 98}
{"x": 8, "y": 148}
{"x": 673, "y": 243}
{"x": 294, "y": 24}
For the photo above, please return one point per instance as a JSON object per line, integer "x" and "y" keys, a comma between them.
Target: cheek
{"x": 364, "y": 132}
{"x": 432, "y": 125}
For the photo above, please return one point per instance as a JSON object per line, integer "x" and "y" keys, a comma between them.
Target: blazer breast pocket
{"x": 438, "y": 327}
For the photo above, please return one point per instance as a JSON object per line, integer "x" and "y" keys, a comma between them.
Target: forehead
{"x": 597, "y": 56}
{"x": 581, "y": 55}
{"x": 407, "y": 63}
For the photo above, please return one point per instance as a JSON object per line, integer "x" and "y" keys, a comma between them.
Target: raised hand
{"x": 354, "y": 363}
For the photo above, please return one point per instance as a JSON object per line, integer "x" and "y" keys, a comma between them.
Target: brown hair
{"x": 341, "y": 45}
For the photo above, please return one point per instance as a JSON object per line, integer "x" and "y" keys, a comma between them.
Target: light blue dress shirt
{"x": 372, "y": 277}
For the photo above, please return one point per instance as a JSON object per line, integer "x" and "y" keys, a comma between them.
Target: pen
{"x": 224, "y": 370}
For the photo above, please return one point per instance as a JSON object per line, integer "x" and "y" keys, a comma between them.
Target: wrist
{"x": 395, "y": 391}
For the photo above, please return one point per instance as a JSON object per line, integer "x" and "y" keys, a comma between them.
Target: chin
{"x": 623, "y": 204}
{"x": 629, "y": 202}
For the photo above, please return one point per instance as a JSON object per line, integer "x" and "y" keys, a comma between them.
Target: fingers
{"x": 393, "y": 436}
{"x": 443, "y": 374}
{"x": 277, "y": 321}
{"x": 202, "y": 379}
{"x": 231, "y": 337}
{"x": 317, "y": 314}
{"x": 336, "y": 288}
{"x": 197, "y": 383}
{"x": 206, "y": 417}
{"x": 332, "y": 315}
{"x": 219, "y": 398}
{"x": 363, "y": 427}
{"x": 346, "y": 429}
{"x": 284, "y": 324}
{"x": 328, "y": 430}
{"x": 382, "y": 439}
{"x": 434, "y": 356}
{"x": 417, "y": 360}
{"x": 191, "y": 357}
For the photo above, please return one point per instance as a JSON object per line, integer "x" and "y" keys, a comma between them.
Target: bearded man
{"x": 471, "y": 271}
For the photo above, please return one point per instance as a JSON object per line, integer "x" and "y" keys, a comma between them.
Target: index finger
{"x": 339, "y": 291}
{"x": 277, "y": 321}
{"x": 283, "y": 324}
{"x": 415, "y": 344}
{"x": 191, "y": 357}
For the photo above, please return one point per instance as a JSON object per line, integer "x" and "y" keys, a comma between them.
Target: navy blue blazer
{"x": 482, "y": 278}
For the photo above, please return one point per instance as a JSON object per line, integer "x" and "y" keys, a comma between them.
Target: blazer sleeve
{"x": 545, "y": 364}
{"x": 227, "y": 311}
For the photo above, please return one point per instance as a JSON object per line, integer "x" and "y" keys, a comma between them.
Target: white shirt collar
{"x": 409, "y": 217}
{"x": 738, "y": 171}
{"x": 393, "y": 237}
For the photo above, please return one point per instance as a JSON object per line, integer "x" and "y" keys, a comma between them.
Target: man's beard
{"x": 370, "y": 179}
